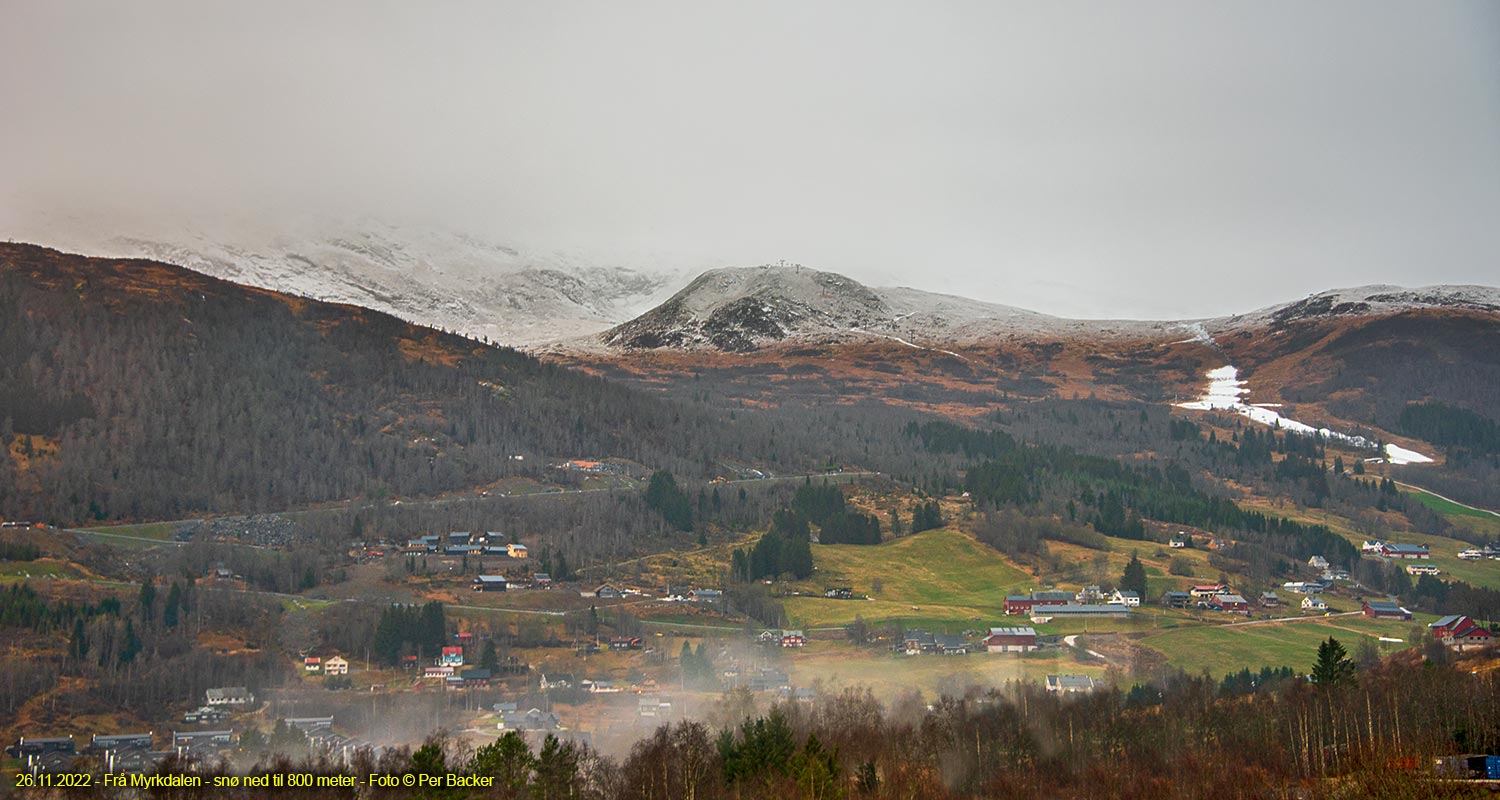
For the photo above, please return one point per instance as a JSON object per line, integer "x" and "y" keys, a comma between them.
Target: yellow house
{"x": 336, "y": 666}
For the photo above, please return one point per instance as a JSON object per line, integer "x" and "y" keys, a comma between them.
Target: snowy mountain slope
{"x": 1365, "y": 300}
{"x": 444, "y": 279}
{"x": 743, "y": 308}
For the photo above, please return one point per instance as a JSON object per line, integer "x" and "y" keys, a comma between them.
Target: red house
{"x": 1018, "y": 604}
{"x": 1229, "y": 602}
{"x": 1460, "y": 632}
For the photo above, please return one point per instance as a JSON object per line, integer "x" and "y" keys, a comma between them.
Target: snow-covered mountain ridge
{"x": 560, "y": 300}
{"x": 743, "y": 308}
{"x": 447, "y": 280}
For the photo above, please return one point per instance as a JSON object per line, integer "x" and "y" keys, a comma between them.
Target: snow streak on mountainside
{"x": 1226, "y": 392}
{"x": 447, "y": 280}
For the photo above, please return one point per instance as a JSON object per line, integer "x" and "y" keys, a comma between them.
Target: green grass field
{"x": 1221, "y": 650}
{"x": 1448, "y": 507}
{"x": 940, "y": 576}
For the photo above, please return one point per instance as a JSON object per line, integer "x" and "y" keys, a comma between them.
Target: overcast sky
{"x": 1143, "y": 159}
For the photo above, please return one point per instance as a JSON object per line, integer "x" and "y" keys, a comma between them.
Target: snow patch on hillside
{"x": 1226, "y": 392}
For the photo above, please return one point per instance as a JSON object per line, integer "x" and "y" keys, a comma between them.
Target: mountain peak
{"x": 741, "y": 308}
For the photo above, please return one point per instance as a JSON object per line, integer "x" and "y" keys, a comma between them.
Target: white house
{"x": 1318, "y": 562}
{"x": 1314, "y": 603}
{"x": 1124, "y": 598}
{"x": 336, "y": 666}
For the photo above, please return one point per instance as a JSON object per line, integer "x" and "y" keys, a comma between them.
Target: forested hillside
{"x": 132, "y": 389}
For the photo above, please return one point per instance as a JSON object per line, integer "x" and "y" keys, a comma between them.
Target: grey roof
{"x": 1070, "y": 681}
{"x": 1081, "y": 608}
{"x": 116, "y": 740}
{"x": 1013, "y": 631}
{"x": 1054, "y": 595}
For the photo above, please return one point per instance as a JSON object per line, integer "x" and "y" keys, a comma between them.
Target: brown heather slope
{"x": 149, "y": 391}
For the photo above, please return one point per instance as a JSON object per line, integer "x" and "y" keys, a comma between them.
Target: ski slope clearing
{"x": 1226, "y": 392}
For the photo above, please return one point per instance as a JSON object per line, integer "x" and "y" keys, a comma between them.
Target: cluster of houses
{"x": 466, "y": 543}
{"x": 1090, "y": 601}
{"x": 116, "y": 753}
{"x": 1490, "y": 551}
{"x": 449, "y": 668}
{"x": 1393, "y": 551}
{"x": 1011, "y": 639}
{"x": 134, "y": 753}
{"x": 1216, "y": 597}
{"x": 947, "y": 644}
{"x": 332, "y": 666}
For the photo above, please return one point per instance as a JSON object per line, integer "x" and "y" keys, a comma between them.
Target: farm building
{"x": 1385, "y": 609}
{"x": 1070, "y": 684}
{"x": 1461, "y": 633}
{"x": 230, "y": 696}
{"x": 710, "y": 597}
{"x": 489, "y": 583}
{"x": 1053, "y": 598}
{"x": 533, "y": 719}
{"x": 1176, "y": 599}
{"x": 951, "y": 644}
{"x": 1079, "y": 610}
{"x": 1011, "y": 640}
{"x": 1404, "y": 551}
{"x": 1229, "y": 602}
